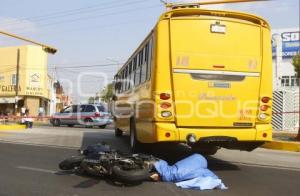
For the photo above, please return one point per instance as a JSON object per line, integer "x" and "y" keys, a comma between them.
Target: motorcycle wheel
{"x": 71, "y": 163}
{"x": 130, "y": 176}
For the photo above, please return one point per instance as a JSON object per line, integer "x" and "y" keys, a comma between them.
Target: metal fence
{"x": 285, "y": 110}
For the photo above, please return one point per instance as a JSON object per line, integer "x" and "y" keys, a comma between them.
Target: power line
{"x": 84, "y": 66}
{"x": 96, "y": 16}
{"x": 87, "y": 28}
{"x": 60, "y": 67}
{"x": 72, "y": 12}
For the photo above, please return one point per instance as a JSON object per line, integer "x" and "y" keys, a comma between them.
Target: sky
{"x": 94, "y": 37}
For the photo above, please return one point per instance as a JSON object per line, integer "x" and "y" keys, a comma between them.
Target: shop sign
{"x": 9, "y": 88}
{"x": 290, "y": 44}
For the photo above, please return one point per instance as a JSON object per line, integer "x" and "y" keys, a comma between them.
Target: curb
{"x": 12, "y": 127}
{"x": 282, "y": 145}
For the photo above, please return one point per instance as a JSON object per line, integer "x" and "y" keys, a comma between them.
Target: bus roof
{"x": 192, "y": 11}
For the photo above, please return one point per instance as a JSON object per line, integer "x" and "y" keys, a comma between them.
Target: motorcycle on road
{"x": 101, "y": 160}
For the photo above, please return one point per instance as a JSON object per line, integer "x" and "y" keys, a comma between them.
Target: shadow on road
{"x": 170, "y": 152}
{"x": 88, "y": 183}
{"x": 90, "y": 138}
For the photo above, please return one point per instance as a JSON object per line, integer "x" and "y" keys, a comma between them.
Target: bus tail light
{"x": 165, "y": 105}
{"x": 264, "y": 108}
{"x": 168, "y": 134}
{"x": 262, "y": 116}
{"x": 265, "y": 99}
{"x": 166, "y": 114}
{"x": 265, "y": 135}
{"x": 97, "y": 114}
{"x": 164, "y": 96}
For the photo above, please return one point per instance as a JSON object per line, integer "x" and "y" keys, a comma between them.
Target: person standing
{"x": 23, "y": 111}
{"x": 41, "y": 113}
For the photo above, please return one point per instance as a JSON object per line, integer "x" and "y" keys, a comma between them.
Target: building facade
{"x": 286, "y": 44}
{"x": 34, "y": 84}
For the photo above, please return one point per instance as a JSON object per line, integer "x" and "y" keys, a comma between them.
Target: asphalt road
{"x": 31, "y": 169}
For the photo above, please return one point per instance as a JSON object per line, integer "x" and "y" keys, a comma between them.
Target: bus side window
{"x": 129, "y": 75}
{"x": 126, "y": 79}
{"x": 141, "y": 59}
{"x": 115, "y": 84}
{"x": 137, "y": 72}
{"x": 122, "y": 81}
{"x": 147, "y": 59}
{"x": 119, "y": 83}
{"x": 133, "y": 72}
{"x": 144, "y": 66}
{"x": 149, "y": 54}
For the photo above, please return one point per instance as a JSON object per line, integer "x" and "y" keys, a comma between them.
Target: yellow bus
{"x": 201, "y": 77}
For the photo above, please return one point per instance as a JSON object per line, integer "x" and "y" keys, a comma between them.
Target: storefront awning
{"x": 8, "y": 99}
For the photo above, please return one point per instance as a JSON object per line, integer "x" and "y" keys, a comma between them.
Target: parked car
{"x": 86, "y": 114}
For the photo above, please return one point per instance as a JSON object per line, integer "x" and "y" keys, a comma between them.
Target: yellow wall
{"x": 33, "y": 72}
{"x": 33, "y": 104}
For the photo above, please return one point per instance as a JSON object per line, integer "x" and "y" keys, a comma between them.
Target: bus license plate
{"x": 216, "y": 28}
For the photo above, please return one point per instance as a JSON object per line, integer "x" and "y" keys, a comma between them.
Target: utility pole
{"x": 17, "y": 81}
{"x": 278, "y": 68}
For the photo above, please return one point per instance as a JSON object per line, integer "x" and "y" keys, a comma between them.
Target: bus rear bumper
{"x": 168, "y": 132}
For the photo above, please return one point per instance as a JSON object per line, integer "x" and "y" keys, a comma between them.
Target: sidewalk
{"x": 14, "y": 127}
{"x": 283, "y": 140}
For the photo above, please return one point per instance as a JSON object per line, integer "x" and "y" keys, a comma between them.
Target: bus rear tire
{"x": 135, "y": 145}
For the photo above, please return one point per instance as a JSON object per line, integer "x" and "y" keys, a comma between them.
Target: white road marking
{"x": 37, "y": 169}
{"x": 39, "y": 145}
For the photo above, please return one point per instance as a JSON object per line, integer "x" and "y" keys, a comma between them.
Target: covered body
{"x": 190, "y": 172}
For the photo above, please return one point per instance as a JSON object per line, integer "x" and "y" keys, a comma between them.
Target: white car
{"x": 86, "y": 114}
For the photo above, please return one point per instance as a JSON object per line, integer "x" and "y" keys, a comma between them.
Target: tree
{"x": 107, "y": 93}
{"x": 91, "y": 100}
{"x": 296, "y": 63}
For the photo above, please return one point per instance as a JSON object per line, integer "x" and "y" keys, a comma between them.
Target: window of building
{"x": 291, "y": 81}
{"x": 294, "y": 81}
{"x": 285, "y": 81}
{"x": 14, "y": 79}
